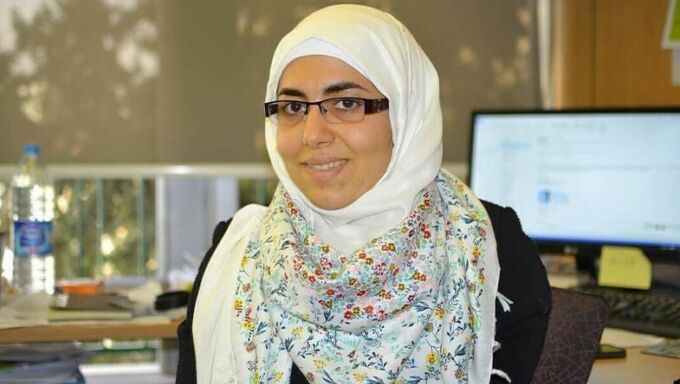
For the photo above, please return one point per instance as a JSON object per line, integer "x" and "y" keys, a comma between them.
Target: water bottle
{"x": 32, "y": 197}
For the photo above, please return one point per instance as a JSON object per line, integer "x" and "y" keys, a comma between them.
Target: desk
{"x": 635, "y": 368}
{"x": 90, "y": 331}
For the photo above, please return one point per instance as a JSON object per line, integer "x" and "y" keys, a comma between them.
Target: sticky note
{"x": 624, "y": 267}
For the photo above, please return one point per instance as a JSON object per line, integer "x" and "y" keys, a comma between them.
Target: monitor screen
{"x": 583, "y": 177}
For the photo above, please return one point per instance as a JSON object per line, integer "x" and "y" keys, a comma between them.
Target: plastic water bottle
{"x": 32, "y": 197}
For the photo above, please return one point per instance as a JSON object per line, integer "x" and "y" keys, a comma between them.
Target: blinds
{"x": 172, "y": 81}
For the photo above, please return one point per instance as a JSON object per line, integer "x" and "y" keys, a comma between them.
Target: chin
{"x": 329, "y": 206}
{"x": 331, "y": 202}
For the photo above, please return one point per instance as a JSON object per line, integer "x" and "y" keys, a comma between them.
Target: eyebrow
{"x": 338, "y": 87}
{"x": 333, "y": 88}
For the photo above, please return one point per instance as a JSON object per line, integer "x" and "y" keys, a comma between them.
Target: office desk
{"x": 636, "y": 368}
{"x": 90, "y": 331}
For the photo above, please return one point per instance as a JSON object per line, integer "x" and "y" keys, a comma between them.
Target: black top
{"x": 520, "y": 331}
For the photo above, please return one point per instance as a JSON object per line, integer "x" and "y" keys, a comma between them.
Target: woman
{"x": 371, "y": 264}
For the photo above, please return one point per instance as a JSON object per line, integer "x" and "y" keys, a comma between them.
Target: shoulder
{"x": 503, "y": 219}
{"x": 232, "y": 231}
{"x": 229, "y": 238}
{"x": 523, "y": 278}
{"x": 228, "y": 242}
{"x": 215, "y": 285}
{"x": 242, "y": 224}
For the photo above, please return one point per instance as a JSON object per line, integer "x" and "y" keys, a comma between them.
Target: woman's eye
{"x": 293, "y": 108}
{"x": 347, "y": 104}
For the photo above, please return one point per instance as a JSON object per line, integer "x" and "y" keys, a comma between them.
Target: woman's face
{"x": 333, "y": 164}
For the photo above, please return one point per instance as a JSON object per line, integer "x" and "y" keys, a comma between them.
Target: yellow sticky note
{"x": 624, "y": 267}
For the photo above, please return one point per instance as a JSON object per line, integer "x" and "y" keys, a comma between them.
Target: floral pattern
{"x": 405, "y": 308}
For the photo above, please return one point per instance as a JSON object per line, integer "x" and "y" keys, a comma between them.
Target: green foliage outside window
{"x": 104, "y": 228}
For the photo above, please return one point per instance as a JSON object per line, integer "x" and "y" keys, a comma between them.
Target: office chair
{"x": 573, "y": 337}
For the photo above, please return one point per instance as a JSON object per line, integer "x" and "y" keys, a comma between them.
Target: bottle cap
{"x": 31, "y": 149}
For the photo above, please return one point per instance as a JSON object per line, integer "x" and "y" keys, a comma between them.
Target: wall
{"x": 607, "y": 53}
{"x": 176, "y": 81}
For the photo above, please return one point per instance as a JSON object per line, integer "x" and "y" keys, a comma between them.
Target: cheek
{"x": 384, "y": 150}
{"x": 383, "y": 155}
{"x": 378, "y": 145}
{"x": 286, "y": 144}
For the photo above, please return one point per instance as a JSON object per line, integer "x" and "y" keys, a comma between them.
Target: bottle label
{"x": 32, "y": 238}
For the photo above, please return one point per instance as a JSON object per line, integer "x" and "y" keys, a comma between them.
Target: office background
{"x": 132, "y": 82}
{"x": 171, "y": 81}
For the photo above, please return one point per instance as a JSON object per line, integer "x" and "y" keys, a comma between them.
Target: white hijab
{"x": 382, "y": 50}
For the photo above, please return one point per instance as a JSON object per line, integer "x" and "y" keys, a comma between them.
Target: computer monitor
{"x": 582, "y": 179}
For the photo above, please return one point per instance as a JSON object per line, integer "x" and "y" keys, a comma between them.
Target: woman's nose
{"x": 316, "y": 129}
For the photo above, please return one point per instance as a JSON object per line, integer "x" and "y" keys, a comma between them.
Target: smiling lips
{"x": 325, "y": 166}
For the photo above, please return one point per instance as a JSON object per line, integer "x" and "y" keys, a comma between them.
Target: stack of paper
{"x": 89, "y": 307}
{"x": 55, "y": 363}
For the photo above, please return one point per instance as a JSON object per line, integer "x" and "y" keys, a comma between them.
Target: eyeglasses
{"x": 335, "y": 110}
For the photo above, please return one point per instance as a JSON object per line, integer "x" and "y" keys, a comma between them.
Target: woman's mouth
{"x": 327, "y": 165}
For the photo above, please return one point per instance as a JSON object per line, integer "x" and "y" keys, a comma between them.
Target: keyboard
{"x": 656, "y": 313}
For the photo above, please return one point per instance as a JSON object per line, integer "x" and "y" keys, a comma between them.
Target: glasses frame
{"x": 371, "y": 106}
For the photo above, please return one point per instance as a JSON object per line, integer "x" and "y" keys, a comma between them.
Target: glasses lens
{"x": 287, "y": 112}
{"x": 344, "y": 109}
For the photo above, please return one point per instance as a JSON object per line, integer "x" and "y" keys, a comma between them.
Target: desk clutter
{"x": 53, "y": 363}
{"x": 138, "y": 303}
{"x": 655, "y": 312}
{"x": 667, "y": 348}
{"x": 90, "y": 307}
{"x": 49, "y": 339}
{"x": 651, "y": 307}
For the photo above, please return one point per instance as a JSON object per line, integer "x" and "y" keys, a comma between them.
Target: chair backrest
{"x": 573, "y": 337}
